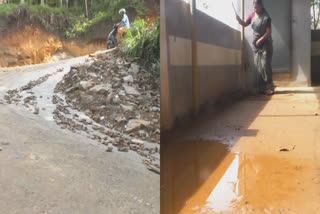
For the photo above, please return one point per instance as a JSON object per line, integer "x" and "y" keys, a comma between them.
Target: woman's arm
{"x": 242, "y": 23}
{"x": 247, "y": 22}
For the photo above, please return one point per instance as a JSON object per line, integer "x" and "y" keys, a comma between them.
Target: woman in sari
{"x": 262, "y": 45}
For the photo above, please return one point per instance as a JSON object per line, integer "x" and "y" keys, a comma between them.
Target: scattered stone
{"x": 72, "y": 89}
{"x": 134, "y": 68}
{"x": 155, "y": 109}
{"x": 284, "y": 149}
{"x": 153, "y": 169}
{"x": 138, "y": 142}
{"x": 85, "y": 85}
{"x": 36, "y": 111}
{"x": 127, "y": 108}
{"x": 109, "y": 149}
{"x": 123, "y": 149}
{"x": 128, "y": 79}
{"x": 130, "y": 90}
{"x": 122, "y": 93}
{"x": 102, "y": 89}
{"x": 136, "y": 124}
{"x": 120, "y": 119}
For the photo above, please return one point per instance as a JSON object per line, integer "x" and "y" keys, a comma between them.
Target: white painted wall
{"x": 221, "y": 10}
{"x": 301, "y": 45}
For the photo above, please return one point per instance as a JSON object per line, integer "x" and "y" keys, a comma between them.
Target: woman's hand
{"x": 259, "y": 42}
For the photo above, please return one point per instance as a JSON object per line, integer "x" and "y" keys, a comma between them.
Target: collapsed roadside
{"x": 121, "y": 96}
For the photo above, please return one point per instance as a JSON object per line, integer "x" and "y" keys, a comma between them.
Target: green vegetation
{"x": 315, "y": 14}
{"x": 143, "y": 40}
{"x": 6, "y": 9}
{"x": 74, "y": 17}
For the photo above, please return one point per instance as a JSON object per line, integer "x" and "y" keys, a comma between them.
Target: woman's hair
{"x": 259, "y": 2}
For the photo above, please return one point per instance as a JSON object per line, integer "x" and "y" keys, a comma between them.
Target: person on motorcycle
{"x": 124, "y": 24}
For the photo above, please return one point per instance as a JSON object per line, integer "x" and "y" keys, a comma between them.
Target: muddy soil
{"x": 31, "y": 45}
{"x": 259, "y": 156}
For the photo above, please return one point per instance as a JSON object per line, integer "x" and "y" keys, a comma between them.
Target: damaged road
{"x": 54, "y": 148}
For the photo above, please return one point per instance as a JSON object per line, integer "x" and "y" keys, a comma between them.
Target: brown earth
{"x": 261, "y": 155}
{"x": 32, "y": 45}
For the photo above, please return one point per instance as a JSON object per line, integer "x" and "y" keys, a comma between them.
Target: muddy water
{"x": 207, "y": 177}
{"x": 32, "y": 45}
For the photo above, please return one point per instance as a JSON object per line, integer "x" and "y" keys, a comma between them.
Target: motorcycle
{"x": 112, "y": 37}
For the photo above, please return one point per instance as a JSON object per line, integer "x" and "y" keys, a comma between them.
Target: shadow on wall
{"x": 218, "y": 58}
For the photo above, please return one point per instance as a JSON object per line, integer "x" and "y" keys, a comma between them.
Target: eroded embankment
{"x": 32, "y": 45}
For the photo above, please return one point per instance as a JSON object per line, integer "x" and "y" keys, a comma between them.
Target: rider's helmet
{"x": 122, "y": 11}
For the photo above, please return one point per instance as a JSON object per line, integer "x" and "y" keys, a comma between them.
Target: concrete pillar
{"x": 195, "y": 72}
{"x": 166, "y": 117}
{"x": 301, "y": 41}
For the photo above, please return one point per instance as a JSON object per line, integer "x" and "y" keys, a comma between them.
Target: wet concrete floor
{"x": 261, "y": 155}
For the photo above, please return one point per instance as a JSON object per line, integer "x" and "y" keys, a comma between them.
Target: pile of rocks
{"x": 116, "y": 93}
{"x": 109, "y": 98}
{"x": 120, "y": 102}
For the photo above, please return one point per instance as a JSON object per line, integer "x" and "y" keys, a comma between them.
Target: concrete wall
{"x": 301, "y": 45}
{"x": 217, "y": 53}
{"x": 315, "y": 57}
{"x": 175, "y": 57}
{"x": 218, "y": 50}
{"x": 280, "y": 12}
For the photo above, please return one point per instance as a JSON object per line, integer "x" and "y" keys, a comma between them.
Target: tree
{"x": 315, "y": 13}
{"x": 86, "y": 4}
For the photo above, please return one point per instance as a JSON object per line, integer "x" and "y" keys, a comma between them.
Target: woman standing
{"x": 262, "y": 45}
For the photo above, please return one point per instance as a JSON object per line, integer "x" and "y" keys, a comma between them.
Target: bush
{"x": 71, "y": 22}
{"x": 44, "y": 10}
{"x": 6, "y": 9}
{"x": 143, "y": 41}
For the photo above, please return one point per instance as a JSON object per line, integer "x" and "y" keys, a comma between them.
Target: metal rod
{"x": 234, "y": 9}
